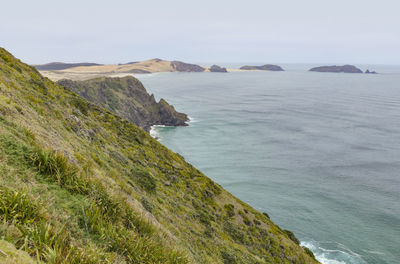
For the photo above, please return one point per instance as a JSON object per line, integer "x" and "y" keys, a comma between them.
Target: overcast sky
{"x": 114, "y": 31}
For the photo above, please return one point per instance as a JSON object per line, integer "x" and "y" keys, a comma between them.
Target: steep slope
{"x": 127, "y": 98}
{"x": 79, "y": 184}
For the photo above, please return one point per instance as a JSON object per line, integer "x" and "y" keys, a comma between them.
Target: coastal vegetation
{"x": 80, "y": 184}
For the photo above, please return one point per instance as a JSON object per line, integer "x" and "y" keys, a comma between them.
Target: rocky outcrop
{"x": 127, "y": 98}
{"x": 370, "y": 72}
{"x": 186, "y": 67}
{"x": 266, "y": 67}
{"x": 57, "y": 66}
{"x": 344, "y": 68}
{"x": 216, "y": 68}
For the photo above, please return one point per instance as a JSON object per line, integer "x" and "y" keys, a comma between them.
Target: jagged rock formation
{"x": 127, "y": 98}
{"x": 56, "y": 66}
{"x": 216, "y": 68}
{"x": 186, "y": 67}
{"x": 79, "y": 184}
{"x": 370, "y": 72}
{"x": 344, "y": 68}
{"x": 266, "y": 67}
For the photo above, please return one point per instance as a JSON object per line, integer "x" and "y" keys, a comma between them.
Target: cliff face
{"x": 127, "y": 98}
{"x": 344, "y": 69}
{"x": 79, "y": 184}
{"x": 186, "y": 67}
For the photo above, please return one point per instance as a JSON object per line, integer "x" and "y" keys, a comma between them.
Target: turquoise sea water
{"x": 319, "y": 152}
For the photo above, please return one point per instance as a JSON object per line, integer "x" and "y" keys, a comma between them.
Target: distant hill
{"x": 148, "y": 66}
{"x": 57, "y": 66}
{"x": 345, "y": 69}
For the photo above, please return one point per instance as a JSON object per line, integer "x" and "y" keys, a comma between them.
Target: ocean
{"x": 319, "y": 152}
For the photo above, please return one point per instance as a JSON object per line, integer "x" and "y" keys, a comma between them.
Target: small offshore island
{"x": 216, "y": 68}
{"x": 266, "y": 67}
{"x": 345, "y": 69}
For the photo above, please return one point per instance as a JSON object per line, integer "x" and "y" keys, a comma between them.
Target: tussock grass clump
{"x": 18, "y": 207}
{"x": 53, "y": 244}
{"x": 230, "y": 210}
{"x": 111, "y": 207}
{"x": 59, "y": 169}
{"x": 128, "y": 243}
{"x": 142, "y": 226}
{"x": 144, "y": 179}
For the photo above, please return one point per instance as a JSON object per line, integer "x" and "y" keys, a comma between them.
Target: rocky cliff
{"x": 186, "y": 67}
{"x": 127, "y": 98}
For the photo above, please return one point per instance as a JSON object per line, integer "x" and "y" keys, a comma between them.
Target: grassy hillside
{"x": 79, "y": 184}
{"x": 126, "y": 97}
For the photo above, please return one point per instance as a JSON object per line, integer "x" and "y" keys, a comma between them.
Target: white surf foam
{"x": 333, "y": 256}
{"x": 154, "y": 131}
{"x": 192, "y": 120}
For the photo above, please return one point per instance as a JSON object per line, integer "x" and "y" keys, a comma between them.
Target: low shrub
{"x": 309, "y": 252}
{"x": 147, "y": 204}
{"x": 234, "y": 232}
{"x": 264, "y": 213}
{"x": 291, "y": 236}
{"x": 228, "y": 258}
{"x": 80, "y": 104}
{"x": 230, "y": 209}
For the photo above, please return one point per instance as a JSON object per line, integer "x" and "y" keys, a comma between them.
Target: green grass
{"x": 79, "y": 184}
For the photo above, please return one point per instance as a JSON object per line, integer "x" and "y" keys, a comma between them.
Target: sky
{"x": 285, "y": 31}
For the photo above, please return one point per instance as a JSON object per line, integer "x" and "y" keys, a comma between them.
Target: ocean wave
{"x": 333, "y": 256}
{"x": 192, "y": 120}
{"x": 154, "y": 131}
